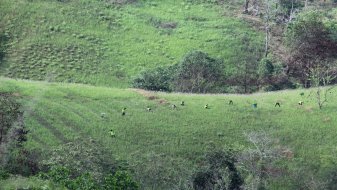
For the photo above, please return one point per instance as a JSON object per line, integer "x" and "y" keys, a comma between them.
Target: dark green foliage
{"x": 85, "y": 182}
{"x": 81, "y": 157}
{"x": 58, "y": 174}
{"x": 288, "y": 5}
{"x": 245, "y": 74}
{"x": 4, "y": 174}
{"x": 331, "y": 177}
{"x": 198, "y": 73}
{"x": 272, "y": 76}
{"x": 203, "y": 180}
{"x": 16, "y": 159}
{"x": 310, "y": 44}
{"x": 121, "y": 180}
{"x": 266, "y": 68}
{"x": 9, "y": 113}
{"x": 64, "y": 176}
{"x": 21, "y": 161}
{"x": 3, "y": 45}
{"x": 158, "y": 79}
{"x": 220, "y": 172}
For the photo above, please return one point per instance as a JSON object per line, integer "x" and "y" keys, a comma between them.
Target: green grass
{"x": 27, "y": 183}
{"x": 90, "y": 42}
{"x": 58, "y": 113}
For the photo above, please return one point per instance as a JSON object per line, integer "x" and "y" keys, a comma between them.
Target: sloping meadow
{"x": 110, "y": 42}
{"x": 165, "y": 146}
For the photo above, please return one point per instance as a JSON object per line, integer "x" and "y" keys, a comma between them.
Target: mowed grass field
{"x": 175, "y": 141}
{"x": 95, "y": 42}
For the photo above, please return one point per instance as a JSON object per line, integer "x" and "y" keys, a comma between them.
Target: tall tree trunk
{"x": 256, "y": 7}
{"x": 246, "y": 6}
{"x": 267, "y": 39}
{"x": 267, "y": 28}
{"x": 306, "y": 4}
{"x": 291, "y": 11}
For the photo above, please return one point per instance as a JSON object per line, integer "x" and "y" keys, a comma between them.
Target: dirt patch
{"x": 163, "y": 101}
{"x": 151, "y": 96}
{"x": 287, "y": 153}
{"x": 121, "y": 2}
{"x": 309, "y": 109}
{"x": 168, "y": 25}
{"x": 16, "y": 94}
{"x": 327, "y": 119}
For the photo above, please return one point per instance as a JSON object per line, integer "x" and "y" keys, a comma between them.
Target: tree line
{"x": 310, "y": 39}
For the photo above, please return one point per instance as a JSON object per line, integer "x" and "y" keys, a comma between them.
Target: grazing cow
{"x": 254, "y": 105}
{"x": 174, "y": 106}
{"x": 300, "y": 103}
{"x": 123, "y": 111}
{"x": 230, "y": 102}
{"x": 206, "y": 106}
{"x": 148, "y": 109}
{"x": 278, "y": 104}
{"x": 182, "y": 103}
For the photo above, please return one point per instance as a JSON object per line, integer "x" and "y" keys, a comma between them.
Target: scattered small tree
{"x": 320, "y": 79}
{"x": 258, "y": 160}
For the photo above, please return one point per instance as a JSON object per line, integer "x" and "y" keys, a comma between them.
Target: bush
{"x": 198, "y": 73}
{"x": 81, "y": 157}
{"x": 4, "y": 174}
{"x": 84, "y": 182}
{"x": 60, "y": 175}
{"x": 219, "y": 173}
{"x": 158, "y": 79}
{"x": 120, "y": 181}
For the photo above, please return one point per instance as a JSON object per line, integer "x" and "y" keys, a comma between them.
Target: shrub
{"x": 81, "y": 157}
{"x": 4, "y": 174}
{"x": 158, "y": 79}
{"x": 120, "y": 181}
{"x": 219, "y": 173}
{"x": 84, "y": 182}
{"x": 58, "y": 174}
{"x": 198, "y": 73}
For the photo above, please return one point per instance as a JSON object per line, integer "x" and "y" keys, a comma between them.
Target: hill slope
{"x": 176, "y": 140}
{"x": 99, "y": 43}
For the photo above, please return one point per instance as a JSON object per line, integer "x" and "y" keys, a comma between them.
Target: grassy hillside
{"x": 165, "y": 146}
{"x": 99, "y": 43}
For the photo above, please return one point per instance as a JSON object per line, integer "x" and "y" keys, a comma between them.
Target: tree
{"x": 258, "y": 160}
{"x": 219, "y": 173}
{"x": 310, "y": 43}
{"x": 198, "y": 73}
{"x": 320, "y": 79}
{"x": 158, "y": 79}
{"x": 3, "y": 45}
{"x": 246, "y": 67}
